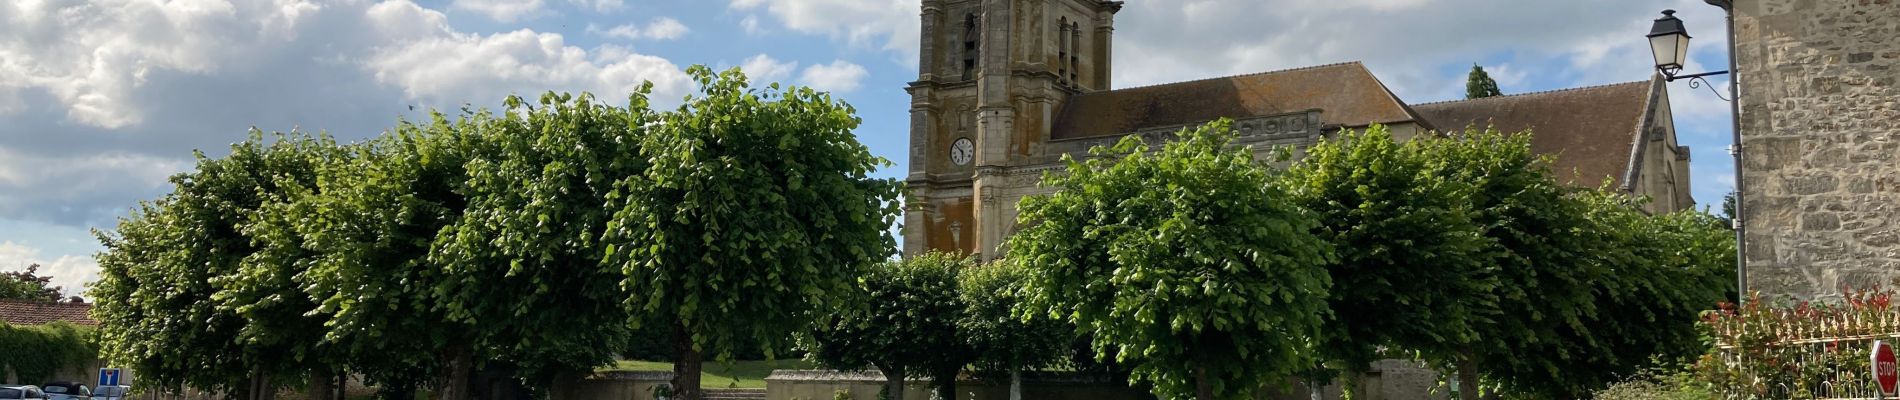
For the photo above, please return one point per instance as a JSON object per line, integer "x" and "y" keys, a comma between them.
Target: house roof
{"x": 22, "y": 312}
{"x": 1346, "y": 94}
{"x": 1590, "y": 130}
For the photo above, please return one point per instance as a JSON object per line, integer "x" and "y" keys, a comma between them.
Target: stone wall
{"x": 1821, "y": 126}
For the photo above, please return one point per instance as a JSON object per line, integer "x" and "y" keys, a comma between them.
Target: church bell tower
{"x": 991, "y": 76}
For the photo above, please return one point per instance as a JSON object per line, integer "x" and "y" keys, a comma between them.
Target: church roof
{"x": 1346, "y": 94}
{"x": 1591, "y": 131}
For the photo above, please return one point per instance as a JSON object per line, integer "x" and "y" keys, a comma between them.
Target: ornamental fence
{"x": 1800, "y": 351}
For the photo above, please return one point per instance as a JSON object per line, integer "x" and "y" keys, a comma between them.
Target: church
{"x": 1006, "y": 88}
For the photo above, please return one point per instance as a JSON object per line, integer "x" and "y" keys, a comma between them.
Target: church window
{"x": 972, "y": 33}
{"x": 1075, "y": 40}
{"x": 1062, "y": 48}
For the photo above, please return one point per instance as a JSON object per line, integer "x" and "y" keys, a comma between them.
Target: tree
{"x": 757, "y": 211}
{"x": 28, "y": 285}
{"x": 1658, "y": 274}
{"x": 1407, "y": 275}
{"x": 907, "y": 321}
{"x": 166, "y": 265}
{"x": 1535, "y": 241}
{"x": 371, "y": 226}
{"x": 528, "y": 239}
{"x": 1479, "y": 84}
{"x": 1007, "y": 337}
{"x": 1189, "y": 261}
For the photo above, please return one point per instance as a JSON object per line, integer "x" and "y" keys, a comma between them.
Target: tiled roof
{"x": 1590, "y": 130}
{"x": 21, "y": 312}
{"x": 1347, "y": 95}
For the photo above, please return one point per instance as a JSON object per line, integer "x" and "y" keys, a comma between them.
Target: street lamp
{"x": 1669, "y": 43}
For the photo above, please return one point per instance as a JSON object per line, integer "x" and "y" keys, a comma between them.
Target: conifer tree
{"x": 1480, "y": 84}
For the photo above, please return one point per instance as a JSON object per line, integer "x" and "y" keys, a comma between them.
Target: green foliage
{"x": 1408, "y": 274}
{"x": 528, "y": 239}
{"x": 36, "y": 353}
{"x": 1189, "y": 262}
{"x": 163, "y": 269}
{"x": 1657, "y": 386}
{"x": 757, "y": 211}
{"x": 906, "y": 321}
{"x": 1479, "y": 84}
{"x": 1005, "y": 335}
{"x": 28, "y": 285}
{"x": 1590, "y": 288}
{"x": 841, "y": 394}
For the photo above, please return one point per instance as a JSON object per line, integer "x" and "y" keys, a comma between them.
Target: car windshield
{"x": 10, "y": 393}
{"x": 54, "y": 389}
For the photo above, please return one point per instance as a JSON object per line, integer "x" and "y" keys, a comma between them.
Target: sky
{"x": 102, "y": 100}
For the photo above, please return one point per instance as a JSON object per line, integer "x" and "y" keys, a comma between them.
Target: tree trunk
{"x": 1467, "y": 377}
{"x": 686, "y": 365}
{"x": 947, "y": 384}
{"x": 320, "y": 385}
{"x": 461, "y": 367}
{"x": 1316, "y": 390}
{"x": 1016, "y": 384}
{"x": 893, "y": 383}
{"x": 260, "y": 387}
{"x": 1203, "y": 388}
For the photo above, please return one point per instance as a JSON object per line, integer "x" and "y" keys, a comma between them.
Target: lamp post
{"x": 1669, "y": 43}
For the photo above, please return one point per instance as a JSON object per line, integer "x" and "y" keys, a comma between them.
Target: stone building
{"x": 1007, "y": 87}
{"x": 1821, "y": 130}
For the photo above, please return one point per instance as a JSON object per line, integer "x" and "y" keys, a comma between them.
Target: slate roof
{"x": 1347, "y": 95}
{"x": 1591, "y": 130}
{"x": 22, "y": 312}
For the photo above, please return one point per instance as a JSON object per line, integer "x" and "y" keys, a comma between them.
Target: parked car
{"x": 21, "y": 392}
{"x": 63, "y": 390}
{"x": 116, "y": 392}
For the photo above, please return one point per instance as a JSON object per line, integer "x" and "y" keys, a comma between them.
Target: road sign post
{"x": 110, "y": 376}
{"x": 1885, "y": 375}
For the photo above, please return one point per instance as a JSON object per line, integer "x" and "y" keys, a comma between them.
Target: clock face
{"x": 962, "y": 151}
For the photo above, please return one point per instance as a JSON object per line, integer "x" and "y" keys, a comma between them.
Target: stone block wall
{"x": 1821, "y": 126}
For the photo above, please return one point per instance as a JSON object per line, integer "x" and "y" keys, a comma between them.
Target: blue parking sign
{"x": 109, "y": 376}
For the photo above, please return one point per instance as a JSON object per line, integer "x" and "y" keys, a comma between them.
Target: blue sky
{"x": 101, "y": 100}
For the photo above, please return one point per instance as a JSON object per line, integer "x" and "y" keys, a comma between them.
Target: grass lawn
{"x": 714, "y": 374}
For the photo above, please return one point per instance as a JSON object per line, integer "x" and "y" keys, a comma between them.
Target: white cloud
{"x": 887, "y": 24}
{"x": 92, "y": 57}
{"x": 467, "y": 67}
{"x": 840, "y": 76}
{"x": 70, "y": 273}
{"x": 502, "y": 10}
{"x": 662, "y": 28}
{"x": 603, "y": 6}
{"x": 101, "y": 99}
{"x": 751, "y": 25}
{"x": 763, "y": 69}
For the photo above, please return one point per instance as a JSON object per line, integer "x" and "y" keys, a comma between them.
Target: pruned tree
{"x": 756, "y": 213}
{"x": 162, "y": 301}
{"x": 1478, "y": 84}
{"x": 1006, "y": 336}
{"x": 1408, "y": 274}
{"x": 905, "y": 322}
{"x": 1188, "y": 261}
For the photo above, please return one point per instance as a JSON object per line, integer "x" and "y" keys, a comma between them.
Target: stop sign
{"x": 1883, "y": 365}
